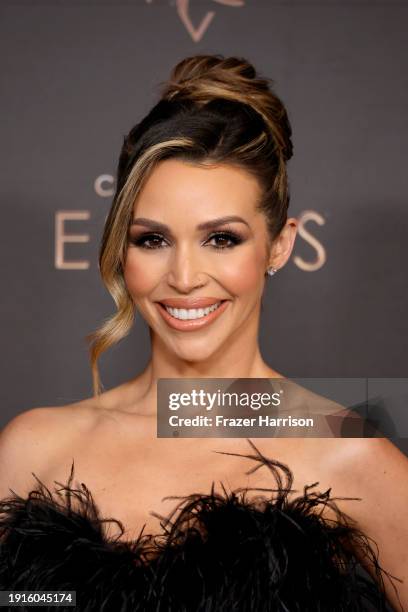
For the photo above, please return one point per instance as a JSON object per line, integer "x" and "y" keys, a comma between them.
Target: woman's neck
{"x": 143, "y": 388}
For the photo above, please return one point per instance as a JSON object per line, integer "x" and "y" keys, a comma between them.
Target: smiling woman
{"x": 198, "y": 221}
{"x": 218, "y": 263}
{"x": 200, "y": 212}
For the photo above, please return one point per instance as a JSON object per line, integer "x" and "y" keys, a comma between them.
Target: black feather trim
{"x": 217, "y": 552}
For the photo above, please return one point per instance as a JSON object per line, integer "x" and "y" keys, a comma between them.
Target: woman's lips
{"x": 191, "y": 324}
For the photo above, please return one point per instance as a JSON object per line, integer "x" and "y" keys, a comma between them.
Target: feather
{"x": 217, "y": 552}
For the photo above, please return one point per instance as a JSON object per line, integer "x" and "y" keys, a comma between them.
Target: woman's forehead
{"x": 174, "y": 184}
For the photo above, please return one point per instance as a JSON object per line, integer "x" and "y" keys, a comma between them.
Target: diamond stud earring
{"x": 271, "y": 271}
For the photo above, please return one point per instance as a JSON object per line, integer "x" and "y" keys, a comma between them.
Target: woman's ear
{"x": 283, "y": 244}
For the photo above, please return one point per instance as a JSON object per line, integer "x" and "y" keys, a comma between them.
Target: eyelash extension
{"x": 229, "y": 235}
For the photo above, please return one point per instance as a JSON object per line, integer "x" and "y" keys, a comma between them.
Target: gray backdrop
{"x": 77, "y": 75}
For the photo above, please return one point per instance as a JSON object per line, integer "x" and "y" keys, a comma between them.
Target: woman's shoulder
{"x": 36, "y": 437}
{"x": 354, "y": 464}
{"x": 348, "y": 457}
{"x": 55, "y": 421}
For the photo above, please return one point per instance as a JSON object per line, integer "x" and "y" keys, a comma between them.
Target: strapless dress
{"x": 217, "y": 552}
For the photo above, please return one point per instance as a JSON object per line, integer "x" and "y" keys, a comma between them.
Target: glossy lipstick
{"x": 191, "y": 324}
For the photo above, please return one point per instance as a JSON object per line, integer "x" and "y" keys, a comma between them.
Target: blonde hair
{"x": 212, "y": 110}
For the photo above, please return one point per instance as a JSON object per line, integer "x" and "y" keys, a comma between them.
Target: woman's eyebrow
{"x": 161, "y": 227}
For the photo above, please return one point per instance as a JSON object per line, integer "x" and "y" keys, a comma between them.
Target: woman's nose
{"x": 185, "y": 270}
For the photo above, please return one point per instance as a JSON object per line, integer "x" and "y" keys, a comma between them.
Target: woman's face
{"x": 170, "y": 257}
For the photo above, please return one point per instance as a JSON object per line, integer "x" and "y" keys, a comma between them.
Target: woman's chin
{"x": 195, "y": 352}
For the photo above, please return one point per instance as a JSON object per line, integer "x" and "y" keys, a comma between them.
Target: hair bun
{"x": 211, "y": 67}
{"x": 202, "y": 78}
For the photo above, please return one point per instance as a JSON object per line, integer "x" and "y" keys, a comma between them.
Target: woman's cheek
{"x": 244, "y": 274}
{"x": 140, "y": 277}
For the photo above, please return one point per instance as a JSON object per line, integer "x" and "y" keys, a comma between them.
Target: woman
{"x": 198, "y": 221}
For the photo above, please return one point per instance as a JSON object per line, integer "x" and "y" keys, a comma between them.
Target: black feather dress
{"x": 216, "y": 553}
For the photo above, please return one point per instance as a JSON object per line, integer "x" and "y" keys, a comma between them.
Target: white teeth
{"x": 191, "y": 313}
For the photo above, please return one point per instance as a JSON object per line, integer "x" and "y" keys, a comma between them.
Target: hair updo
{"x": 213, "y": 110}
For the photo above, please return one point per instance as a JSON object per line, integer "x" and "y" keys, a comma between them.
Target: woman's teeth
{"x": 191, "y": 313}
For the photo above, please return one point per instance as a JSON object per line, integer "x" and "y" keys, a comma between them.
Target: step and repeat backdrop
{"x": 77, "y": 75}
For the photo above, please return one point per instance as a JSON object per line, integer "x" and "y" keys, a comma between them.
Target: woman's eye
{"x": 224, "y": 237}
{"x": 148, "y": 241}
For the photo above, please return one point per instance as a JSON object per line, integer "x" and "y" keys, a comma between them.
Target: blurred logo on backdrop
{"x": 198, "y": 29}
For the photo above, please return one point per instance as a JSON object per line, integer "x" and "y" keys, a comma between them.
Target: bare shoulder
{"x": 364, "y": 458}
{"x": 374, "y": 472}
{"x": 35, "y": 438}
{"x": 358, "y": 465}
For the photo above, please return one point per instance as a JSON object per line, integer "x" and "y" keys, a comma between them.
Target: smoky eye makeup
{"x": 147, "y": 240}
{"x": 220, "y": 239}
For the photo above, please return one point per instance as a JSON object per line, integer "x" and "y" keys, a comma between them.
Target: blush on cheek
{"x": 249, "y": 279}
{"x": 140, "y": 279}
{"x": 243, "y": 277}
